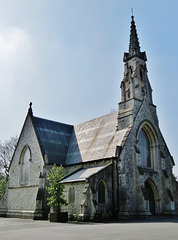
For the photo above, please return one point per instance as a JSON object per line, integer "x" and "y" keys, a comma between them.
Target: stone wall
{"x": 86, "y": 203}
{"x": 132, "y": 200}
{"x": 22, "y": 198}
{"x": 104, "y": 175}
{"x": 76, "y": 210}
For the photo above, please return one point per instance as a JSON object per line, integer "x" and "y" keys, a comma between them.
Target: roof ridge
{"x": 54, "y": 121}
{"x": 97, "y": 118}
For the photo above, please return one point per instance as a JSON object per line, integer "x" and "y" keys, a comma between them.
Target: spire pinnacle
{"x": 30, "y": 109}
{"x": 134, "y": 46}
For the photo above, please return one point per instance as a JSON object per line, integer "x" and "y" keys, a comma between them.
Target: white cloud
{"x": 16, "y": 55}
{"x": 12, "y": 41}
{"x": 17, "y": 63}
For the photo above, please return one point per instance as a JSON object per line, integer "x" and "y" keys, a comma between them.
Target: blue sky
{"x": 66, "y": 57}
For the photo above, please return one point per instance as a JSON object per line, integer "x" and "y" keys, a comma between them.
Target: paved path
{"x": 155, "y": 229}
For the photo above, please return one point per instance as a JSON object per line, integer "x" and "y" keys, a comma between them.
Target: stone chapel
{"x": 117, "y": 165}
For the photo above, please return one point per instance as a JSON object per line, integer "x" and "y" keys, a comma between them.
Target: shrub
{"x": 2, "y": 187}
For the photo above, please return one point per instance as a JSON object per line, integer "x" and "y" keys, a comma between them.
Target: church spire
{"x": 134, "y": 46}
{"x": 135, "y": 86}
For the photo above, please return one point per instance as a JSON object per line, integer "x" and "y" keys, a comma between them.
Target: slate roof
{"x": 83, "y": 174}
{"x": 66, "y": 144}
{"x": 53, "y": 138}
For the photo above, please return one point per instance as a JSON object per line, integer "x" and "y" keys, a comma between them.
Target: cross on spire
{"x": 132, "y": 10}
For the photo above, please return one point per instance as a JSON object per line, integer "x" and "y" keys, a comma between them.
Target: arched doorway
{"x": 152, "y": 196}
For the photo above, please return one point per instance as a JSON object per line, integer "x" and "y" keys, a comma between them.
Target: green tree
{"x": 2, "y": 187}
{"x": 55, "y": 188}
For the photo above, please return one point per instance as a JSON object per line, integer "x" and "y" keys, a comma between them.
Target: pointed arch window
{"x": 101, "y": 193}
{"x": 144, "y": 148}
{"x": 148, "y": 154}
{"x": 25, "y": 166}
{"x": 130, "y": 71}
{"x": 71, "y": 195}
{"x": 141, "y": 74}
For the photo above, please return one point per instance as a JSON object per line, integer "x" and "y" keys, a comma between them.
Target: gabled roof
{"x": 95, "y": 139}
{"x": 66, "y": 144}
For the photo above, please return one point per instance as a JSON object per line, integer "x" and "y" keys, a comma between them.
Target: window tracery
{"x": 147, "y": 145}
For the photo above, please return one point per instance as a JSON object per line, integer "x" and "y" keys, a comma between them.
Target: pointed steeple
{"x": 134, "y": 46}
{"x": 134, "y": 43}
{"x": 135, "y": 86}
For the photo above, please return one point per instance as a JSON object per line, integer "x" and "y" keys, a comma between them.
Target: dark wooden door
{"x": 151, "y": 198}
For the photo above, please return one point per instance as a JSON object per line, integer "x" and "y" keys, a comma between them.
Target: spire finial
{"x": 30, "y": 109}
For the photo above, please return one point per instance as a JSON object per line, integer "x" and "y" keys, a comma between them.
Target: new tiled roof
{"x": 53, "y": 138}
{"x": 92, "y": 140}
